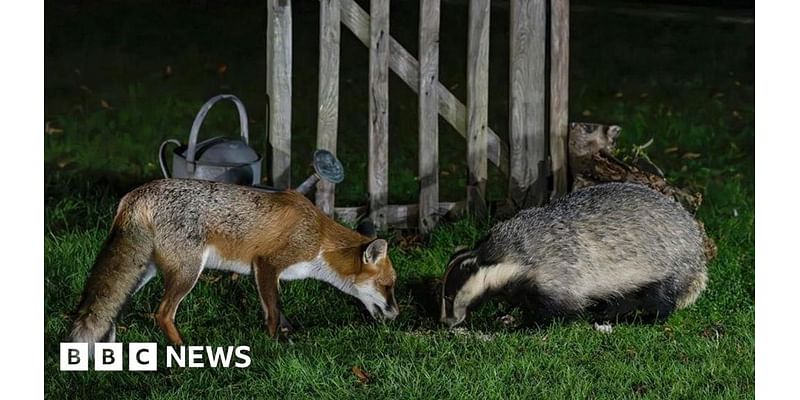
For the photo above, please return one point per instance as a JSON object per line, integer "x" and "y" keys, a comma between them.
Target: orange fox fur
{"x": 181, "y": 227}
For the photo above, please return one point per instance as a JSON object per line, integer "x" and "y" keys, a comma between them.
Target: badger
{"x": 610, "y": 251}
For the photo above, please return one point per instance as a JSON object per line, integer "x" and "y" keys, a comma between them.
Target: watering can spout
{"x": 326, "y": 167}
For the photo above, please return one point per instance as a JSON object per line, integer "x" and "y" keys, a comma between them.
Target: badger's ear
{"x": 375, "y": 252}
{"x": 367, "y": 228}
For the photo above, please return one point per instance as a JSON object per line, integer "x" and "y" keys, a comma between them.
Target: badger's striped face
{"x": 461, "y": 267}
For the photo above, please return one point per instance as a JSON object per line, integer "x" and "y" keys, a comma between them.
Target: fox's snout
{"x": 389, "y": 314}
{"x": 380, "y": 304}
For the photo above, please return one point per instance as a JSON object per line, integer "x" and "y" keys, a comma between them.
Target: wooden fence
{"x": 534, "y": 152}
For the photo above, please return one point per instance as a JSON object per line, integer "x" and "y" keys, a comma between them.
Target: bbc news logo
{"x": 144, "y": 357}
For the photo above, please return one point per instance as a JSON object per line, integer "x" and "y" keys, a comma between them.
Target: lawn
{"x": 687, "y": 85}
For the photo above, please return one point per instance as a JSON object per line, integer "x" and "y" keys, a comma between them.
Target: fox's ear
{"x": 375, "y": 252}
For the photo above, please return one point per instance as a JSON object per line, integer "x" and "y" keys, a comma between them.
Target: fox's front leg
{"x": 267, "y": 281}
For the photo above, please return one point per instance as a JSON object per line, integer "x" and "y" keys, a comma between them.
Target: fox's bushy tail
{"x": 120, "y": 267}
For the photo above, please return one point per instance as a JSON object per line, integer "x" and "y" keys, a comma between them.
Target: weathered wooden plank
{"x": 280, "y": 86}
{"x": 407, "y": 67}
{"x": 527, "y": 184}
{"x": 268, "y": 66}
{"x": 378, "y": 166}
{"x": 397, "y": 216}
{"x": 328, "y": 98}
{"x": 559, "y": 93}
{"x": 428, "y": 113}
{"x": 477, "y": 105}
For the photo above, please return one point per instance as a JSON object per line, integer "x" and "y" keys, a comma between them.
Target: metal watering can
{"x": 216, "y": 159}
{"x": 234, "y": 161}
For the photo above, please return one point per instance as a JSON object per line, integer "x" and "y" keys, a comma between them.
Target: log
{"x": 592, "y": 162}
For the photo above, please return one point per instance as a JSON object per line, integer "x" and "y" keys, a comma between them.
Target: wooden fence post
{"x": 279, "y": 13}
{"x": 428, "y": 114}
{"x": 527, "y": 183}
{"x": 406, "y": 67}
{"x": 378, "y": 184}
{"x": 559, "y": 93}
{"x": 477, "y": 105}
{"x": 328, "y": 109}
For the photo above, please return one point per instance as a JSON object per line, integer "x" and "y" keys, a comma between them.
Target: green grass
{"x": 687, "y": 86}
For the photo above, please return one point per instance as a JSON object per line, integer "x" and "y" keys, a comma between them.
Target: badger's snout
{"x": 452, "y": 315}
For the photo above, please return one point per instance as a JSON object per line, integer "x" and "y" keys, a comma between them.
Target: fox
{"x": 181, "y": 227}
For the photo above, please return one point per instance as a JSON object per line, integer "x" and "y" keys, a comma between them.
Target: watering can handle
{"x": 198, "y": 121}
{"x": 161, "y": 159}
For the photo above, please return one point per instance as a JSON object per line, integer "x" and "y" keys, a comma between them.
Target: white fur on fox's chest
{"x": 316, "y": 268}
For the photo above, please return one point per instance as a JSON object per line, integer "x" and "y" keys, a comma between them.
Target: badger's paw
{"x": 604, "y": 327}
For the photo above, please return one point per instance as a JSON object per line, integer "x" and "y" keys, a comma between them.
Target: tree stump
{"x": 592, "y": 162}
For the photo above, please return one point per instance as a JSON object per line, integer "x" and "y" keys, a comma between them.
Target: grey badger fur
{"x": 612, "y": 251}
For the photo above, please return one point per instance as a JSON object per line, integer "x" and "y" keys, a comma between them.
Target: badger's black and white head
{"x": 465, "y": 282}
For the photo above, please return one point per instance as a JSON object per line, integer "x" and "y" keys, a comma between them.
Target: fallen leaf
{"x": 49, "y": 129}
{"x": 668, "y": 332}
{"x": 63, "y": 162}
{"x": 362, "y": 376}
{"x": 639, "y": 389}
{"x": 690, "y": 156}
{"x": 670, "y": 150}
{"x": 105, "y": 105}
